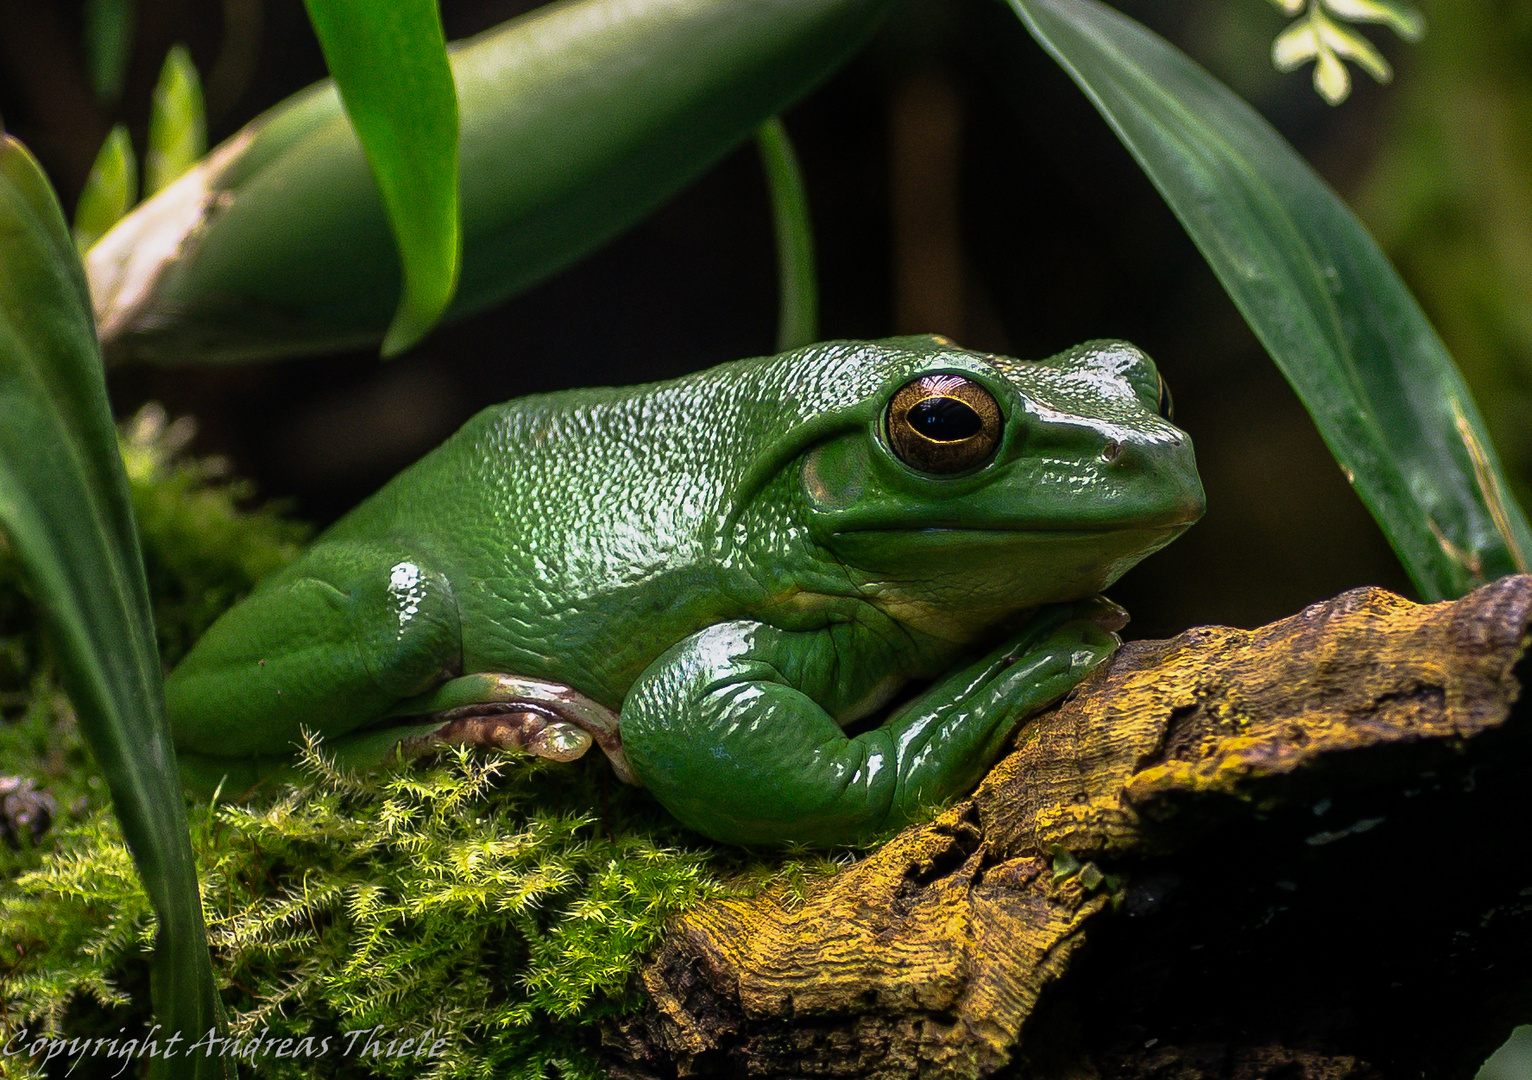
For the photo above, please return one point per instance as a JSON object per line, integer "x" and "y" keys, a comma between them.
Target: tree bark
{"x": 1294, "y": 853}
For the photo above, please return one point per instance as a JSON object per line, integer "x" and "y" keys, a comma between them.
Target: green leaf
{"x": 578, "y": 120}
{"x": 108, "y": 44}
{"x": 65, "y": 507}
{"x": 390, "y": 64}
{"x": 1315, "y": 37}
{"x": 1400, "y": 17}
{"x": 798, "y": 289}
{"x": 110, "y": 190}
{"x": 177, "y": 122}
{"x": 1316, "y": 290}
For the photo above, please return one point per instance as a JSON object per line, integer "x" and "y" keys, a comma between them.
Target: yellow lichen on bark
{"x": 1219, "y": 711}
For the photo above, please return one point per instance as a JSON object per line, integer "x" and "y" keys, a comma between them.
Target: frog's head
{"x": 959, "y": 487}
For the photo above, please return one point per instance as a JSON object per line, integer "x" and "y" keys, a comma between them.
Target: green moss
{"x": 481, "y": 898}
{"x": 504, "y": 903}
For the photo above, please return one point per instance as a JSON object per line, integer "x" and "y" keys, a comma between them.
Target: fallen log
{"x": 1296, "y": 852}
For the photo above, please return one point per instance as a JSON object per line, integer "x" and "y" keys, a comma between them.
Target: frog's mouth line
{"x": 1050, "y": 530}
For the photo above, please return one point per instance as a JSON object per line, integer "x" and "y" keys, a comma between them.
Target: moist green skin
{"x": 739, "y": 563}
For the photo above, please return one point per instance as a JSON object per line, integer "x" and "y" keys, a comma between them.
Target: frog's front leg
{"x": 728, "y": 731}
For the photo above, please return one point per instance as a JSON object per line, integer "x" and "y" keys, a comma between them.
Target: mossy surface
{"x": 486, "y": 899}
{"x": 501, "y": 903}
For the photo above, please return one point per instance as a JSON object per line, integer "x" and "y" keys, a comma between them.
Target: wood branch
{"x": 1297, "y": 852}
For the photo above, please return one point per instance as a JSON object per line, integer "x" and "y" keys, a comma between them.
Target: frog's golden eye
{"x": 943, "y": 424}
{"x": 1167, "y": 407}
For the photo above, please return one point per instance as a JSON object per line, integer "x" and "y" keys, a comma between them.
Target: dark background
{"x": 959, "y": 184}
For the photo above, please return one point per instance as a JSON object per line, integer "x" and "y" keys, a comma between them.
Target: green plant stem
{"x": 798, "y": 283}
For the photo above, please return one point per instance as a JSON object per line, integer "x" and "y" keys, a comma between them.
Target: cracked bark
{"x": 1296, "y": 852}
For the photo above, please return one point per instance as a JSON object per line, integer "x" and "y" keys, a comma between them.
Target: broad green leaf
{"x": 177, "y": 122}
{"x": 390, "y": 63}
{"x": 798, "y": 289}
{"x": 1316, "y": 290}
{"x": 108, "y": 44}
{"x": 110, "y": 190}
{"x": 64, "y": 505}
{"x": 578, "y": 120}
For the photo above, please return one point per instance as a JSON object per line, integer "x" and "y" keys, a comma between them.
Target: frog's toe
{"x": 1046, "y": 673}
{"x": 504, "y": 729}
{"x": 1087, "y": 648}
{"x": 1109, "y": 616}
{"x": 1093, "y": 631}
{"x": 489, "y": 708}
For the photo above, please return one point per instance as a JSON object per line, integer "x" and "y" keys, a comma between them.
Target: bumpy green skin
{"x": 738, "y": 562}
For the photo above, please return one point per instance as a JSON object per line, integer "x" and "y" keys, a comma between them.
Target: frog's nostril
{"x": 1110, "y": 451}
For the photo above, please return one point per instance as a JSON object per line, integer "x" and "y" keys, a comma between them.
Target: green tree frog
{"x": 800, "y": 598}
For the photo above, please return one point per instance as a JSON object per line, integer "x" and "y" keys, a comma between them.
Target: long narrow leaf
{"x": 64, "y": 504}
{"x": 797, "y": 284}
{"x": 389, "y": 61}
{"x": 1316, "y": 290}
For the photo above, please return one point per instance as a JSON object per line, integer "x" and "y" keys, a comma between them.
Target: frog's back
{"x": 579, "y": 529}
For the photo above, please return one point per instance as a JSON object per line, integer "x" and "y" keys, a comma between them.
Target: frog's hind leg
{"x": 547, "y": 720}
{"x": 328, "y": 645}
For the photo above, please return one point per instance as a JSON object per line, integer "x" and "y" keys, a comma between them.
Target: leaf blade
{"x": 64, "y": 504}
{"x": 1317, "y": 291}
{"x": 390, "y": 64}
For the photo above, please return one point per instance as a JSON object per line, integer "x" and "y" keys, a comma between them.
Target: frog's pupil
{"x": 945, "y": 419}
{"x": 1167, "y": 407}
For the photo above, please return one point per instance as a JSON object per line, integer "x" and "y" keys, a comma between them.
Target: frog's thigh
{"x": 329, "y": 645}
{"x": 742, "y": 752}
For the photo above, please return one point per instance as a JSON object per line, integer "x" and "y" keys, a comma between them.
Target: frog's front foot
{"x": 1046, "y": 622}
{"x": 728, "y": 729}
